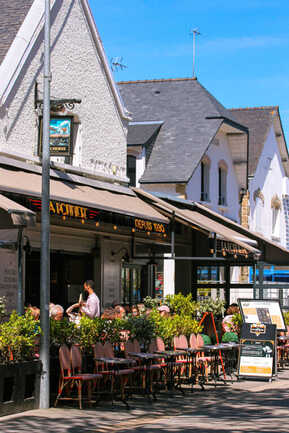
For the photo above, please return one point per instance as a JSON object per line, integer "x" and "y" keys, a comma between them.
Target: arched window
{"x": 276, "y": 210}
{"x": 222, "y": 183}
{"x": 259, "y": 209}
{"x": 205, "y": 179}
{"x": 131, "y": 169}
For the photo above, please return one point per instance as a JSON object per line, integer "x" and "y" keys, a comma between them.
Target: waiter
{"x": 91, "y": 307}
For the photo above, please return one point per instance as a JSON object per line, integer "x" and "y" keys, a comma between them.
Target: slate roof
{"x": 12, "y": 14}
{"x": 140, "y": 132}
{"x": 185, "y": 107}
{"x": 258, "y": 120}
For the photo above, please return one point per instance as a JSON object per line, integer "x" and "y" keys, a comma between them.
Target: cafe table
{"x": 172, "y": 366}
{"x": 146, "y": 361}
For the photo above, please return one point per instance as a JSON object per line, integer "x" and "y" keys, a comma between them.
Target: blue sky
{"x": 241, "y": 55}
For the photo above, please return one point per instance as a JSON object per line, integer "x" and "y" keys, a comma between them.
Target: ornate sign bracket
{"x": 56, "y": 105}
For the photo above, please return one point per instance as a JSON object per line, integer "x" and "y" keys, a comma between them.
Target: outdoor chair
{"x": 115, "y": 371}
{"x": 202, "y": 362}
{"x": 71, "y": 375}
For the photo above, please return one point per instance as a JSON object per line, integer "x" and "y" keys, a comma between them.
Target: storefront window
{"x": 131, "y": 284}
{"x": 210, "y": 275}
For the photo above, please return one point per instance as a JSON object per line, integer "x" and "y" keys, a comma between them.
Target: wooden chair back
{"x": 193, "y": 341}
{"x": 180, "y": 342}
{"x": 65, "y": 360}
{"x": 108, "y": 350}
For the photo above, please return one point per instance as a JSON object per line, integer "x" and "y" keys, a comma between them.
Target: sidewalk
{"x": 246, "y": 406}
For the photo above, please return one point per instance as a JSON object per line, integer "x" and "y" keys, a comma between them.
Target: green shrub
{"x": 230, "y": 337}
{"x": 206, "y": 339}
{"x": 181, "y": 304}
{"x": 17, "y": 338}
{"x": 217, "y": 307}
{"x": 141, "y": 328}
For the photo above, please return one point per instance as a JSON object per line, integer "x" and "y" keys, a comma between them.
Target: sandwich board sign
{"x": 257, "y": 351}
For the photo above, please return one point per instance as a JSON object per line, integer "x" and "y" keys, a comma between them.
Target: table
{"x": 146, "y": 360}
{"x": 171, "y": 360}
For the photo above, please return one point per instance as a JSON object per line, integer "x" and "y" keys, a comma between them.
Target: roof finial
{"x": 194, "y": 32}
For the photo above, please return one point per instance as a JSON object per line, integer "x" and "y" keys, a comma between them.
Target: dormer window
{"x": 222, "y": 184}
{"x": 205, "y": 180}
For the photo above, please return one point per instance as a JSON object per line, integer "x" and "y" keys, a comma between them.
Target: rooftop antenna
{"x": 117, "y": 63}
{"x": 194, "y": 32}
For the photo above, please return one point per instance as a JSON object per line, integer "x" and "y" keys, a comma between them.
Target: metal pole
{"x": 20, "y": 297}
{"x": 45, "y": 221}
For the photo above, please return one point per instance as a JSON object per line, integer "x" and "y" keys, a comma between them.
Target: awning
{"x": 200, "y": 222}
{"x": 272, "y": 253}
{"x": 30, "y": 184}
{"x": 13, "y": 215}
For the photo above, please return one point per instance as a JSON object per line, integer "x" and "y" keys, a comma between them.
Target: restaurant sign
{"x": 60, "y": 135}
{"x": 68, "y": 210}
{"x": 149, "y": 226}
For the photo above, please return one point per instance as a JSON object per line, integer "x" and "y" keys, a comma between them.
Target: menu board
{"x": 262, "y": 311}
{"x": 257, "y": 352}
{"x": 9, "y": 278}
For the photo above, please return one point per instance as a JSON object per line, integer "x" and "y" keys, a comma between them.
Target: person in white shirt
{"x": 91, "y": 307}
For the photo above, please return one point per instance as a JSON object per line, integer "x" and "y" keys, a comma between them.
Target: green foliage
{"x": 206, "y": 339}
{"x": 168, "y": 327}
{"x": 150, "y": 302}
{"x": 2, "y": 308}
{"x": 17, "y": 338}
{"x": 181, "y": 304}
{"x": 216, "y": 307}
{"x": 62, "y": 332}
{"x": 141, "y": 328}
{"x": 230, "y": 337}
{"x": 237, "y": 323}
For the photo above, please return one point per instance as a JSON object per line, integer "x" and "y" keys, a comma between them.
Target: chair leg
{"x": 79, "y": 390}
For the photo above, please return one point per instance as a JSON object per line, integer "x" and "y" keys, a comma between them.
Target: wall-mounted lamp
{"x": 125, "y": 256}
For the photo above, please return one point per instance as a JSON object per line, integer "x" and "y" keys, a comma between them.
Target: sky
{"x": 241, "y": 54}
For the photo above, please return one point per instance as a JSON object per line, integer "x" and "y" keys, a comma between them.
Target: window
{"x": 276, "y": 206}
{"x": 131, "y": 170}
{"x": 222, "y": 181}
{"x": 205, "y": 181}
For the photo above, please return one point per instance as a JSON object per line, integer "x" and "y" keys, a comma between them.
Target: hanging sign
{"x": 257, "y": 352}
{"x": 60, "y": 135}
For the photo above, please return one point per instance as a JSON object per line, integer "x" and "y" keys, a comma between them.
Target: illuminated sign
{"x": 67, "y": 210}
{"x": 149, "y": 226}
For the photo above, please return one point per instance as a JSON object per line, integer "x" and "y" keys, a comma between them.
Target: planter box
{"x": 19, "y": 387}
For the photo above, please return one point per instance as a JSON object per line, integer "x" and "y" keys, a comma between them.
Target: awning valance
{"x": 201, "y": 222}
{"x": 29, "y": 184}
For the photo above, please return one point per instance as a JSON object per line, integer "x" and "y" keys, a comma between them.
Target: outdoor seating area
{"x": 160, "y": 347}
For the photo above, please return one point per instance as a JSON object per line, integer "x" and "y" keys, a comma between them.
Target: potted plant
{"x": 19, "y": 367}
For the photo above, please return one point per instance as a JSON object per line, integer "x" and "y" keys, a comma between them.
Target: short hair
{"x": 56, "y": 309}
{"x": 89, "y": 283}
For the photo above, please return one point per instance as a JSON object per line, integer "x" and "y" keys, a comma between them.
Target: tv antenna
{"x": 117, "y": 63}
{"x": 194, "y": 32}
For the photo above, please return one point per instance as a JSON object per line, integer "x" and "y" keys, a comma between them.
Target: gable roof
{"x": 191, "y": 115}
{"x": 28, "y": 23}
{"x": 12, "y": 16}
{"x": 259, "y": 120}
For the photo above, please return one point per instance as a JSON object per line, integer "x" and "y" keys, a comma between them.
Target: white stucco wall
{"x": 76, "y": 73}
{"x": 270, "y": 178}
{"x": 216, "y": 153}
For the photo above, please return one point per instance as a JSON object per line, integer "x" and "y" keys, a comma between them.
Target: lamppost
{"x": 45, "y": 221}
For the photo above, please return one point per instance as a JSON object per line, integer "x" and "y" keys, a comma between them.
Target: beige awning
{"x": 200, "y": 222}
{"x": 13, "y": 214}
{"x": 30, "y": 184}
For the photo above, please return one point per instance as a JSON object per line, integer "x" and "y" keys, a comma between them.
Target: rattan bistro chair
{"x": 71, "y": 375}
